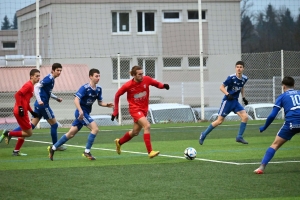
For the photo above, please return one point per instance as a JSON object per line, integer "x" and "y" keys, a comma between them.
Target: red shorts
{"x": 136, "y": 115}
{"x": 24, "y": 121}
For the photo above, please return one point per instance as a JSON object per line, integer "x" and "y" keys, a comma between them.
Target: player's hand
{"x": 110, "y": 105}
{"x": 41, "y": 103}
{"x": 59, "y": 100}
{"x": 166, "y": 86}
{"x": 229, "y": 97}
{"x": 245, "y": 101}
{"x": 80, "y": 117}
{"x": 34, "y": 114}
{"x": 21, "y": 111}
{"x": 114, "y": 116}
{"x": 262, "y": 129}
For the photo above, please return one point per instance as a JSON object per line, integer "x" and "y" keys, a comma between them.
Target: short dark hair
{"x": 288, "y": 81}
{"x": 134, "y": 69}
{"x": 240, "y": 63}
{"x": 93, "y": 71}
{"x": 55, "y": 66}
{"x": 33, "y": 71}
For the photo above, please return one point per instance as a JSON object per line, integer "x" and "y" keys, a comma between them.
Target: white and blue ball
{"x": 190, "y": 153}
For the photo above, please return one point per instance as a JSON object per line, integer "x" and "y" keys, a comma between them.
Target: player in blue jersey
{"x": 235, "y": 85}
{"x": 84, "y": 99}
{"x": 43, "y": 93}
{"x": 290, "y": 102}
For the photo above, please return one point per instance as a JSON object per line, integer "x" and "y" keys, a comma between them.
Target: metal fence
{"x": 263, "y": 69}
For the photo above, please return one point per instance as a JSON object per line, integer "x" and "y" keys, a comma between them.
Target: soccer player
{"x": 138, "y": 98}
{"x": 21, "y": 108}
{"x": 43, "y": 93}
{"x": 84, "y": 99}
{"x": 235, "y": 85}
{"x": 290, "y": 102}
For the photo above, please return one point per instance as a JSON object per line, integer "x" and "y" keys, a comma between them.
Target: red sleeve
{"x": 19, "y": 96}
{"x": 119, "y": 93}
{"x": 155, "y": 83}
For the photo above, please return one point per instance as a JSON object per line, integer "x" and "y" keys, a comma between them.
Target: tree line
{"x": 269, "y": 30}
{"x": 6, "y": 25}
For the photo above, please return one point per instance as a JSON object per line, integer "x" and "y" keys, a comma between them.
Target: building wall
{"x": 8, "y": 36}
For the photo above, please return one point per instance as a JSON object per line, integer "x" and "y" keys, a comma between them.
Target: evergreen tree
{"x": 5, "y": 24}
{"x": 297, "y": 33}
{"x": 15, "y": 23}
{"x": 271, "y": 28}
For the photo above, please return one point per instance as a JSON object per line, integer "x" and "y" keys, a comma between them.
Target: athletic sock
{"x": 268, "y": 156}
{"x": 60, "y": 142}
{"x": 15, "y": 133}
{"x": 54, "y": 133}
{"x": 90, "y": 142}
{"x": 147, "y": 141}
{"x": 19, "y": 144}
{"x": 242, "y": 129}
{"x": 208, "y": 130}
{"x": 126, "y": 137}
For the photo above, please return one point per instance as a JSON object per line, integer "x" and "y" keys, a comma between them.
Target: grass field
{"x": 223, "y": 168}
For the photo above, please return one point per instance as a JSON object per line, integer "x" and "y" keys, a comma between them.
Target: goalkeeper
{"x": 235, "y": 85}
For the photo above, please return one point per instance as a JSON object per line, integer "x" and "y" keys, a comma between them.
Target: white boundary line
{"x": 168, "y": 156}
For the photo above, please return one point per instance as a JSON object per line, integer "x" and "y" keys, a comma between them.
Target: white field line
{"x": 168, "y": 156}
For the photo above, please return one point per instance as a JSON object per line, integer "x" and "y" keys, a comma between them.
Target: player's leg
{"x": 225, "y": 109}
{"x": 91, "y": 138}
{"x": 244, "y": 119}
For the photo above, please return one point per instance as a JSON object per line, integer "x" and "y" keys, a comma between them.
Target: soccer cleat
{"x": 88, "y": 155}
{"x": 152, "y": 154}
{"x": 18, "y": 153}
{"x": 5, "y": 136}
{"x": 51, "y": 152}
{"x": 61, "y": 148}
{"x": 118, "y": 146}
{"x": 201, "y": 139}
{"x": 258, "y": 171}
{"x": 241, "y": 140}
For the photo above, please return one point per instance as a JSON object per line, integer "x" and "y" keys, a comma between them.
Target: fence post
{"x": 282, "y": 75}
{"x": 274, "y": 88}
{"x": 119, "y": 85}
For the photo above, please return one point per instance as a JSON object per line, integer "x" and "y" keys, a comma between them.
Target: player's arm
{"x": 77, "y": 105}
{"x": 37, "y": 88}
{"x": 103, "y": 104}
{"x": 55, "y": 97}
{"x": 119, "y": 93}
{"x": 158, "y": 84}
{"x": 243, "y": 96}
{"x": 270, "y": 118}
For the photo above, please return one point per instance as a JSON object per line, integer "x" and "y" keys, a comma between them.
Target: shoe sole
{"x": 89, "y": 157}
{"x": 51, "y": 157}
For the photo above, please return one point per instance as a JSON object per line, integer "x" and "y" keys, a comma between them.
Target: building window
{"x": 171, "y": 16}
{"x": 146, "y": 21}
{"x": 195, "y": 61}
{"x": 9, "y": 45}
{"x": 148, "y": 65}
{"x": 120, "y": 22}
{"x": 124, "y": 68}
{"x": 194, "y": 16}
{"x": 172, "y": 62}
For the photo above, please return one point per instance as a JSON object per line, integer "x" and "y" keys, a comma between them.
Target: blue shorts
{"x": 44, "y": 111}
{"x": 288, "y": 130}
{"x": 230, "y": 105}
{"x": 80, "y": 123}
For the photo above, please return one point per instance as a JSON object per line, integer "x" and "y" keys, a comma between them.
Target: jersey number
{"x": 296, "y": 100}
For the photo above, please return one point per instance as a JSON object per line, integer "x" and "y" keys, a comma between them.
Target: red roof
{"x": 71, "y": 78}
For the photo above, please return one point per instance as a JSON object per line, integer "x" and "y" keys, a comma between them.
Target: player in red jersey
{"x": 21, "y": 108}
{"x": 138, "y": 98}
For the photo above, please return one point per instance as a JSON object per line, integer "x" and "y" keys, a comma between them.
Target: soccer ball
{"x": 190, "y": 153}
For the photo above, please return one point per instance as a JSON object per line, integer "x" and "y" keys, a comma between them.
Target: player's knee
{"x": 95, "y": 130}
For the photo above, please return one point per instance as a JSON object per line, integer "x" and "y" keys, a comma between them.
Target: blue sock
{"x": 242, "y": 129}
{"x": 268, "y": 156}
{"x": 208, "y": 130}
{"x": 54, "y": 133}
{"x": 61, "y": 141}
{"x": 19, "y": 128}
{"x": 90, "y": 141}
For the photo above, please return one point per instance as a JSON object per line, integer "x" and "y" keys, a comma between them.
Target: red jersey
{"x": 137, "y": 94}
{"x": 23, "y": 97}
